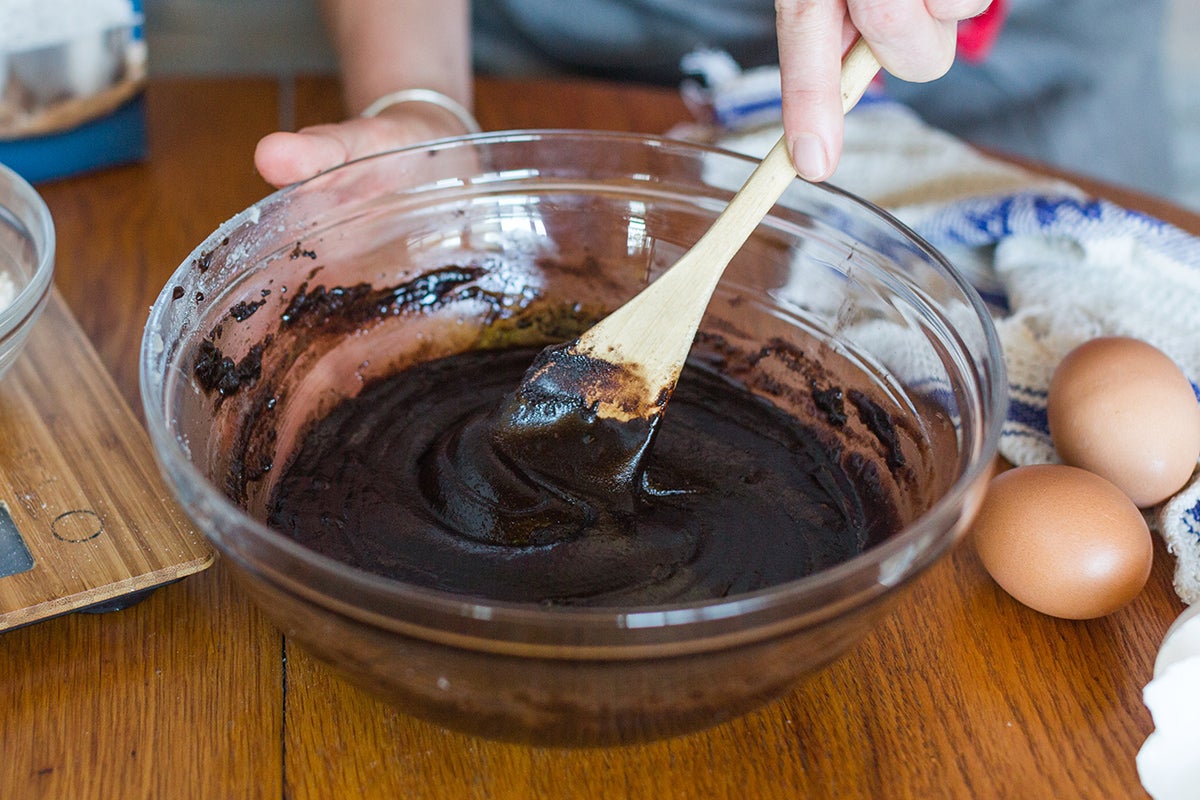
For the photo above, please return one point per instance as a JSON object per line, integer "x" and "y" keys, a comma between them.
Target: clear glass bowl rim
{"x": 389, "y": 604}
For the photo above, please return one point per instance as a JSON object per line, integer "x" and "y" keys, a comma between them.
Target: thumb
{"x": 283, "y": 158}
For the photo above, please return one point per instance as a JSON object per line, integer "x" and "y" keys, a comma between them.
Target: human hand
{"x": 912, "y": 39}
{"x": 283, "y": 157}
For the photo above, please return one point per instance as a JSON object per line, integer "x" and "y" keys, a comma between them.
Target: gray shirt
{"x": 640, "y": 40}
{"x": 1072, "y": 82}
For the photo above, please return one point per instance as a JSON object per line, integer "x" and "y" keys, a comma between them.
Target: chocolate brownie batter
{"x": 774, "y": 459}
{"x": 413, "y": 479}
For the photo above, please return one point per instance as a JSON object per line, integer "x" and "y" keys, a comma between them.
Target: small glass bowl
{"x": 26, "y": 262}
{"x": 572, "y": 217}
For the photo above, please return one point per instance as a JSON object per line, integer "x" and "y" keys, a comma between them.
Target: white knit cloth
{"x": 1056, "y": 266}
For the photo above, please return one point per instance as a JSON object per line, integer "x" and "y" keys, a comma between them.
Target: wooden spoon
{"x": 625, "y": 367}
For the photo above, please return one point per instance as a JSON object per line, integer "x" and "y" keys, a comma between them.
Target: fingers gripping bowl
{"x": 522, "y": 239}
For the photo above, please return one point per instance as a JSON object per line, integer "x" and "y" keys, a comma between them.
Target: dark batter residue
{"x": 408, "y": 480}
{"x": 772, "y": 460}
{"x": 215, "y": 370}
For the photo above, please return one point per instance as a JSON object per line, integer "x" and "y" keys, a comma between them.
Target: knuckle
{"x": 882, "y": 19}
{"x": 792, "y": 8}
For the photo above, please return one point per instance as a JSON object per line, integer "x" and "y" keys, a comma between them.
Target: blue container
{"x": 71, "y": 96}
{"x": 111, "y": 140}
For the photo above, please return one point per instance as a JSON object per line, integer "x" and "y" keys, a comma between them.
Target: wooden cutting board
{"x": 86, "y": 520}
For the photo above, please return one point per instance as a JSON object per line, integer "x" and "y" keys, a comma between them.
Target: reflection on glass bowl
{"x": 26, "y": 262}
{"x": 565, "y": 220}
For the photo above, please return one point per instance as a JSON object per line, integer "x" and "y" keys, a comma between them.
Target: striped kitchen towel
{"x": 1056, "y": 266}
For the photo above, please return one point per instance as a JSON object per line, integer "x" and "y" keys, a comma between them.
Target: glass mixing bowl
{"x": 578, "y": 222}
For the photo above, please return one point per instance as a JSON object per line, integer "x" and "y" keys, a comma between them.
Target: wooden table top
{"x": 961, "y": 692}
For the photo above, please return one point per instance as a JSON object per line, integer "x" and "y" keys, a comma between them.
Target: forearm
{"x": 385, "y": 45}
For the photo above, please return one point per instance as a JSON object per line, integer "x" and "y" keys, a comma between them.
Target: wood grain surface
{"x": 961, "y": 692}
{"x": 80, "y": 485}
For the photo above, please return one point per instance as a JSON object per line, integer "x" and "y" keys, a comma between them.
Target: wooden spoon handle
{"x": 643, "y": 332}
{"x": 859, "y": 68}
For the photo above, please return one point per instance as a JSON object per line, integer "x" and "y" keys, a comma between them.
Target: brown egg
{"x": 1063, "y": 541}
{"x": 1121, "y": 408}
